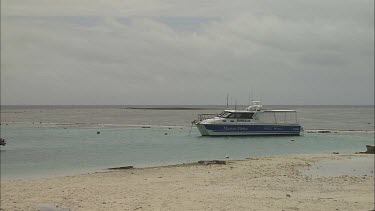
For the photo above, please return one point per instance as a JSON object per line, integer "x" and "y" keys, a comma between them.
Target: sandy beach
{"x": 256, "y": 183}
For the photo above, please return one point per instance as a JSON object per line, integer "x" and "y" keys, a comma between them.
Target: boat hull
{"x": 248, "y": 130}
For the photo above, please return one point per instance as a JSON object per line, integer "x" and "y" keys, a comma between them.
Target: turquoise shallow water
{"x": 33, "y": 152}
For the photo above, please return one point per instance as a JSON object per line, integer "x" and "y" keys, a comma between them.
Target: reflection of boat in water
{"x": 2, "y": 142}
{"x": 252, "y": 121}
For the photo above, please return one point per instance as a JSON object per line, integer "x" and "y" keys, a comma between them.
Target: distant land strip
{"x": 172, "y": 108}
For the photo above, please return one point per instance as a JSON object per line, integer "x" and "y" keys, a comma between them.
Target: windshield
{"x": 221, "y": 114}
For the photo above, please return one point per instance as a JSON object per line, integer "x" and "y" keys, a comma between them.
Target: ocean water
{"x": 45, "y": 141}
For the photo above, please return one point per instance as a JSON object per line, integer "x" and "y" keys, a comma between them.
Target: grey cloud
{"x": 294, "y": 52}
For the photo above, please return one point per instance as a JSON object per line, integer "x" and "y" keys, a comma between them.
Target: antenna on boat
{"x": 250, "y": 97}
{"x": 227, "y": 99}
{"x": 235, "y": 105}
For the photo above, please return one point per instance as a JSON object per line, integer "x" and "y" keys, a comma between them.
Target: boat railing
{"x": 202, "y": 117}
{"x": 279, "y": 117}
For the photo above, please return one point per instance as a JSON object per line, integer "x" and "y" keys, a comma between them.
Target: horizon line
{"x": 182, "y": 105}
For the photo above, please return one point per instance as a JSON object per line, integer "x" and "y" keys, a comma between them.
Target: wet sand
{"x": 258, "y": 183}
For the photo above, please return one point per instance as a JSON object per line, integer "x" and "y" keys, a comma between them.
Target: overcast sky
{"x": 187, "y": 52}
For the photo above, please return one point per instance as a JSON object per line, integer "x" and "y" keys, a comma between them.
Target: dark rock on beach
{"x": 121, "y": 168}
{"x": 209, "y": 162}
{"x": 324, "y": 131}
{"x": 370, "y": 150}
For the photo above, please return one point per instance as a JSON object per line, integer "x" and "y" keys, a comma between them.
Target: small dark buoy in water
{"x": 2, "y": 142}
{"x": 227, "y": 156}
{"x": 97, "y": 132}
{"x": 292, "y": 140}
{"x": 165, "y": 133}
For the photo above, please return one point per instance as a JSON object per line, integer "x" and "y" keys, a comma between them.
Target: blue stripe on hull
{"x": 259, "y": 129}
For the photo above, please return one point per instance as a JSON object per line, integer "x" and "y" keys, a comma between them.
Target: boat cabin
{"x": 266, "y": 116}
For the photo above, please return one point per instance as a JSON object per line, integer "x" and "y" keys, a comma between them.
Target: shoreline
{"x": 112, "y": 168}
{"x": 85, "y": 125}
{"x": 257, "y": 183}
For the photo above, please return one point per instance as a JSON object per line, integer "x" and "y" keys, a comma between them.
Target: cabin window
{"x": 246, "y": 116}
{"x": 237, "y": 115}
{"x": 230, "y": 115}
{"x": 241, "y": 115}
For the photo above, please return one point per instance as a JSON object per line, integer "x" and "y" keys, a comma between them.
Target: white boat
{"x": 252, "y": 121}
